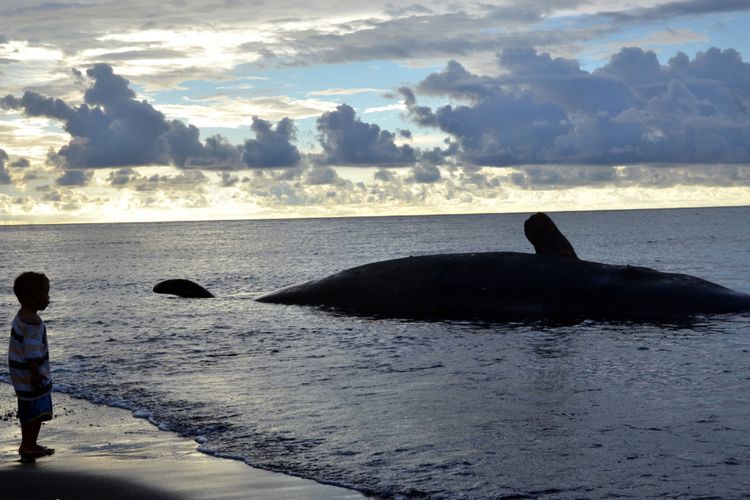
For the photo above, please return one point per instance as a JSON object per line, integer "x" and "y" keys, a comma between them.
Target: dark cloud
{"x": 20, "y": 163}
{"x": 228, "y": 180}
{"x": 399, "y": 10}
{"x": 499, "y": 127}
{"x": 121, "y": 177}
{"x": 288, "y": 174}
{"x": 676, "y": 9}
{"x": 217, "y": 153}
{"x": 563, "y": 82}
{"x": 272, "y": 146}
{"x": 347, "y": 140}
{"x": 632, "y": 110}
{"x": 184, "y": 181}
{"x": 384, "y": 175}
{"x": 129, "y": 55}
{"x": 34, "y": 104}
{"x": 74, "y": 178}
{"x": 4, "y": 174}
{"x": 320, "y": 176}
{"x": 113, "y": 129}
{"x": 543, "y": 176}
{"x": 413, "y": 33}
{"x": 655, "y": 176}
{"x": 53, "y": 196}
{"x": 425, "y": 174}
{"x": 187, "y": 180}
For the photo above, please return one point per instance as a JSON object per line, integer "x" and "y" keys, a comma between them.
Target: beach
{"x": 104, "y": 452}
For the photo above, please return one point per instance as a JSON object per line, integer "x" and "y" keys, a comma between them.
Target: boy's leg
{"x": 29, "y": 434}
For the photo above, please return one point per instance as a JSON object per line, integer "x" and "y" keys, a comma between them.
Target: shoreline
{"x": 106, "y": 451}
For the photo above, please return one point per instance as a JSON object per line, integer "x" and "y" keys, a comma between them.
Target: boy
{"x": 28, "y": 363}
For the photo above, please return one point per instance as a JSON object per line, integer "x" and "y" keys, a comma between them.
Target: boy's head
{"x": 32, "y": 290}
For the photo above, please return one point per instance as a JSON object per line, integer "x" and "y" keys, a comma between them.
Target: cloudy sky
{"x": 186, "y": 109}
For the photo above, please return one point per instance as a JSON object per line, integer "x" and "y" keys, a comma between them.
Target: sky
{"x": 119, "y": 111}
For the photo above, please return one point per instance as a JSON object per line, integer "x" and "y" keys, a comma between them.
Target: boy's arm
{"x": 34, "y": 349}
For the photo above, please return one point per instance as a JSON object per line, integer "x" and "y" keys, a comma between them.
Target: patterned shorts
{"x": 36, "y": 410}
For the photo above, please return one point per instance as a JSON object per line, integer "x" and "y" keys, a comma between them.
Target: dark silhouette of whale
{"x": 182, "y": 288}
{"x": 499, "y": 285}
{"x": 510, "y": 285}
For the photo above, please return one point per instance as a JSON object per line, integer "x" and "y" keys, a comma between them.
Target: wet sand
{"x": 104, "y": 452}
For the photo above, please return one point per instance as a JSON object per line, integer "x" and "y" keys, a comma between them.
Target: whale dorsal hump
{"x": 546, "y": 238}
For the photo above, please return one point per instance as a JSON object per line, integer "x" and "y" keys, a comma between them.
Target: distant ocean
{"x": 440, "y": 409}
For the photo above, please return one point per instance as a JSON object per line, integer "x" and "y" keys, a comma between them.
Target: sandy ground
{"x": 104, "y": 452}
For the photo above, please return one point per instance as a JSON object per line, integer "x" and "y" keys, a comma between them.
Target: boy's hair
{"x": 28, "y": 284}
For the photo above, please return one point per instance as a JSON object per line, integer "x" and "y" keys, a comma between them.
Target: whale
{"x": 510, "y": 285}
{"x": 182, "y": 288}
{"x": 552, "y": 283}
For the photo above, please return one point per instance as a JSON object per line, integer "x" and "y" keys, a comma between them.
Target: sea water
{"x": 448, "y": 409}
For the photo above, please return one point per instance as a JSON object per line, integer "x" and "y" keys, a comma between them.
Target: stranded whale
{"x": 182, "y": 288}
{"x": 497, "y": 285}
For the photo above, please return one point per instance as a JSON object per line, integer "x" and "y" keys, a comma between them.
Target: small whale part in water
{"x": 511, "y": 285}
{"x": 182, "y": 288}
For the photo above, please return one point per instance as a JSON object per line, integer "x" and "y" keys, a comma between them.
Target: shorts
{"x": 36, "y": 410}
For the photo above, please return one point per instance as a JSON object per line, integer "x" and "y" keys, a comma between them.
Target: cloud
{"x": 338, "y": 91}
{"x": 75, "y": 178}
{"x": 113, "y": 129}
{"x": 320, "y": 176}
{"x": 457, "y": 30}
{"x": 653, "y": 176}
{"x": 4, "y": 174}
{"x": 346, "y": 140}
{"x": 671, "y": 10}
{"x": 272, "y": 147}
{"x": 425, "y": 174}
{"x": 20, "y": 163}
{"x": 384, "y": 175}
{"x": 53, "y": 196}
{"x": 228, "y": 180}
{"x": 188, "y": 180}
{"x": 632, "y": 110}
{"x": 233, "y": 112}
{"x": 217, "y": 153}
{"x": 121, "y": 177}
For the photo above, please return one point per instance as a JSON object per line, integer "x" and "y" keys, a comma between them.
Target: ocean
{"x": 441, "y": 409}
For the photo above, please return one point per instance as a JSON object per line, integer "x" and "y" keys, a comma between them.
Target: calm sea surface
{"x": 443, "y": 409}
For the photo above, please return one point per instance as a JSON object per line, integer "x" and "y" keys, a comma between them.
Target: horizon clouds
{"x": 541, "y": 110}
{"x": 424, "y": 104}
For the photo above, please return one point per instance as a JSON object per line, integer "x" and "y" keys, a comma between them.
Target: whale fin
{"x": 546, "y": 238}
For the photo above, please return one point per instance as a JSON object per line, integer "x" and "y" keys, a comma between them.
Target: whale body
{"x": 495, "y": 285}
{"x": 182, "y": 288}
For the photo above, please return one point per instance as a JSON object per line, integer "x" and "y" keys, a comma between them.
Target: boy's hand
{"x": 36, "y": 377}
{"x": 36, "y": 381}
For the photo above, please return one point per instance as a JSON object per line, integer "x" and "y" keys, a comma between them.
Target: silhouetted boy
{"x": 28, "y": 362}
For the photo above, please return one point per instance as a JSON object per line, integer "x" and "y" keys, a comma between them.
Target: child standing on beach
{"x": 28, "y": 362}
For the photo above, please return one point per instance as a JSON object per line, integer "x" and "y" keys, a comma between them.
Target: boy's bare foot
{"x": 31, "y": 453}
{"x": 45, "y": 451}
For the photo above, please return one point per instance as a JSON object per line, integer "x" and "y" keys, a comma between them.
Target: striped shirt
{"x": 28, "y": 342}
